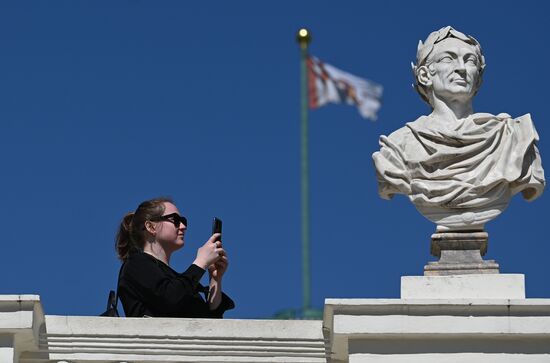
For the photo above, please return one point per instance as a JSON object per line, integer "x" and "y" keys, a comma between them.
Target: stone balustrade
{"x": 353, "y": 330}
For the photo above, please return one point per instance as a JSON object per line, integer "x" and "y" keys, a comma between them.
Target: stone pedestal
{"x": 460, "y": 253}
{"x": 481, "y": 286}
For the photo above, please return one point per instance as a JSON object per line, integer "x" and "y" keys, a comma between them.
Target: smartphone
{"x": 217, "y": 226}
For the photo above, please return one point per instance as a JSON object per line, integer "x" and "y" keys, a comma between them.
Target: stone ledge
{"x": 189, "y": 328}
{"x": 391, "y": 325}
{"x": 451, "y": 358}
{"x": 81, "y": 339}
{"x": 474, "y": 307}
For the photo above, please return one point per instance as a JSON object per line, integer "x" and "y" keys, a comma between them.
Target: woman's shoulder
{"x": 140, "y": 260}
{"x": 138, "y": 257}
{"x": 143, "y": 260}
{"x": 142, "y": 266}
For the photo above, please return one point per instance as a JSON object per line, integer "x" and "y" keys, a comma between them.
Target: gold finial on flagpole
{"x": 303, "y": 37}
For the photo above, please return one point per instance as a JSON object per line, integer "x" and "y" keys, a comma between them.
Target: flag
{"x": 327, "y": 83}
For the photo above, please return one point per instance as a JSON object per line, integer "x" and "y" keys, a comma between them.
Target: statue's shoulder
{"x": 405, "y": 133}
{"x": 403, "y": 139}
{"x": 522, "y": 125}
{"x": 503, "y": 116}
{"x": 525, "y": 118}
{"x": 527, "y": 128}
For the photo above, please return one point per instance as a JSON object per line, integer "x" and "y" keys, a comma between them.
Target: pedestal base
{"x": 459, "y": 254}
{"x": 481, "y": 286}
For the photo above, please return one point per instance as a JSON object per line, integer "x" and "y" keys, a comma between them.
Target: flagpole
{"x": 304, "y": 38}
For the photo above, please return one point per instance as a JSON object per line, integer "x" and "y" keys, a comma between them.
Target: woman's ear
{"x": 150, "y": 227}
{"x": 423, "y": 76}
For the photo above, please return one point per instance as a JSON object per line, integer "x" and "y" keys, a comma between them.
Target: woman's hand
{"x": 210, "y": 253}
{"x": 217, "y": 270}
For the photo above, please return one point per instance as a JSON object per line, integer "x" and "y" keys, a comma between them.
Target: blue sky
{"x": 104, "y": 104}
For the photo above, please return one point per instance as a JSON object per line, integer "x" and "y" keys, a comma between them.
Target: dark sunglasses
{"x": 174, "y": 218}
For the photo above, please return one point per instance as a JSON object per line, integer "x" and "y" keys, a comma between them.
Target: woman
{"x": 148, "y": 286}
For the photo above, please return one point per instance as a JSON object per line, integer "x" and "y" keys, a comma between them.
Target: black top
{"x": 149, "y": 287}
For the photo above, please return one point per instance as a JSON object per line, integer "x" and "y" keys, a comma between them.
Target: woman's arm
{"x": 216, "y": 272}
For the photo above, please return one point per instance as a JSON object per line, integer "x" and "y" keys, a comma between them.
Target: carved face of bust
{"x": 452, "y": 71}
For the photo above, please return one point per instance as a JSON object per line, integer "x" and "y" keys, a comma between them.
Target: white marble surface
{"x": 458, "y": 168}
{"x": 437, "y": 330}
{"x": 29, "y": 336}
{"x": 475, "y": 286}
{"x": 450, "y": 358}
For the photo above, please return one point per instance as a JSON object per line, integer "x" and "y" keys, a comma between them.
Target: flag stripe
{"x": 311, "y": 79}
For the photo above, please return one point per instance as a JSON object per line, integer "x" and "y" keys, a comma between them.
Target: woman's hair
{"x": 131, "y": 233}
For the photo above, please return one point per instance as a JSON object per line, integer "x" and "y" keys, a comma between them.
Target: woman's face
{"x": 168, "y": 235}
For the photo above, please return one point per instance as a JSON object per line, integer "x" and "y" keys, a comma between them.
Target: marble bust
{"x": 459, "y": 168}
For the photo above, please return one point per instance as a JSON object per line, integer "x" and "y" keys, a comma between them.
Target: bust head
{"x": 444, "y": 53}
